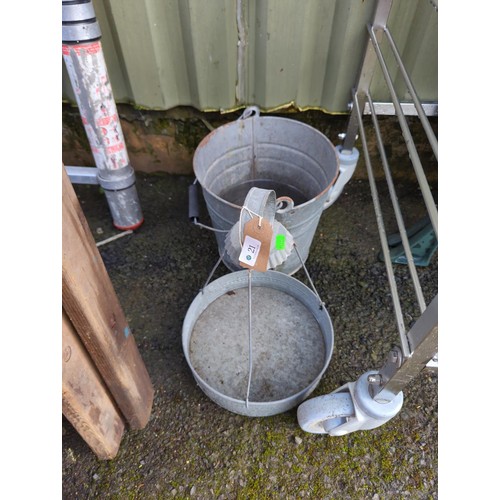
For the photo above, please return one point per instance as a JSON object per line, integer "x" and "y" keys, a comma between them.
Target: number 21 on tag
{"x": 250, "y": 251}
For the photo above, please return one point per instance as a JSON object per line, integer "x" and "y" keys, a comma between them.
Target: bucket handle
{"x": 194, "y": 211}
{"x": 249, "y": 112}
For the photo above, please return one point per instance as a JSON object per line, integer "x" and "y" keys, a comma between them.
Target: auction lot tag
{"x": 250, "y": 251}
{"x": 257, "y": 236}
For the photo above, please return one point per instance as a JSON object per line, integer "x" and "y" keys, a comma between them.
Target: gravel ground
{"x": 193, "y": 448}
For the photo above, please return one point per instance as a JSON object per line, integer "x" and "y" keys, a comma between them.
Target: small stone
{"x": 71, "y": 455}
{"x": 99, "y": 230}
{"x": 193, "y": 491}
{"x": 95, "y": 477}
{"x": 298, "y": 440}
{"x": 173, "y": 492}
{"x": 376, "y": 497}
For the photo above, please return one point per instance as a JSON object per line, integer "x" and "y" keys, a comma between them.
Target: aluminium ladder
{"x": 377, "y": 396}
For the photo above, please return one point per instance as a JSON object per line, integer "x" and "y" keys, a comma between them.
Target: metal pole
{"x": 397, "y": 209}
{"x": 380, "y": 17}
{"x": 410, "y": 144}
{"x": 84, "y": 59}
{"x": 423, "y": 339}
{"x": 420, "y": 110}
{"x": 82, "y": 175}
{"x": 383, "y": 235}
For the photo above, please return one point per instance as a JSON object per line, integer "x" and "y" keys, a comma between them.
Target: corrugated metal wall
{"x": 223, "y": 54}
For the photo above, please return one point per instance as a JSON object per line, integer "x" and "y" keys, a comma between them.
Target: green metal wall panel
{"x": 414, "y": 28}
{"x": 224, "y": 54}
{"x": 306, "y": 52}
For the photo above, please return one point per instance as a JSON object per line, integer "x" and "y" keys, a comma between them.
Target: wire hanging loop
{"x": 321, "y": 303}
{"x": 250, "y": 360}
{"x": 212, "y": 272}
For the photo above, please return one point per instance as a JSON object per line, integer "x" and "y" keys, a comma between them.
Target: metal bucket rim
{"x": 261, "y": 277}
{"x": 204, "y": 142}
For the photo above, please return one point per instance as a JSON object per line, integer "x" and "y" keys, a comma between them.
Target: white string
{"x": 252, "y": 215}
{"x": 115, "y": 237}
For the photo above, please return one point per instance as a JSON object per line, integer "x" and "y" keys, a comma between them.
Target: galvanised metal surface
{"x": 292, "y": 342}
{"x": 84, "y": 60}
{"x": 79, "y": 22}
{"x": 87, "y": 67}
{"x": 82, "y": 175}
{"x": 287, "y": 156}
{"x": 226, "y": 54}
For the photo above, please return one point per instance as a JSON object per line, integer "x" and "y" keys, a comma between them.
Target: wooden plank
{"x": 91, "y": 303}
{"x": 86, "y": 402}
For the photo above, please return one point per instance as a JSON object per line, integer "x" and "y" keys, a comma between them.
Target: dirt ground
{"x": 192, "y": 448}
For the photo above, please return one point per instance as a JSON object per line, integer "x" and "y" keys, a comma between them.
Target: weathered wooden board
{"x": 91, "y": 304}
{"x": 86, "y": 402}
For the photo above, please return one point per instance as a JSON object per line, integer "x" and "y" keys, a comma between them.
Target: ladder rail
{"x": 419, "y": 344}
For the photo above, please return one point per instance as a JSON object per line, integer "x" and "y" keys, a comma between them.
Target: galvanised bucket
{"x": 292, "y": 342}
{"x": 287, "y": 156}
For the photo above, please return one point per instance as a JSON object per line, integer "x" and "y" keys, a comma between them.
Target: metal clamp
{"x": 347, "y": 164}
{"x": 79, "y": 23}
{"x": 116, "y": 180}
